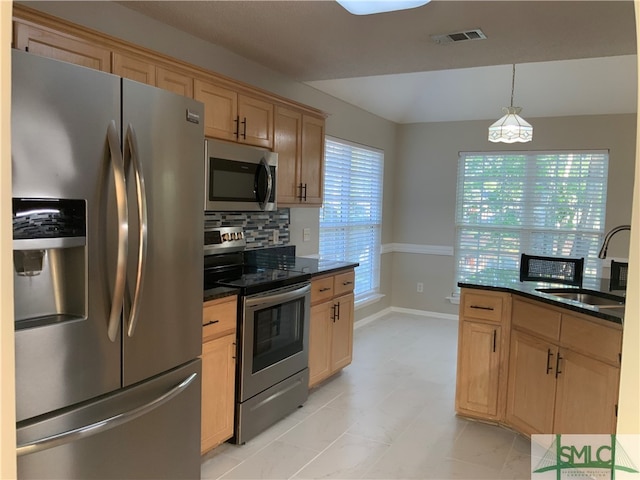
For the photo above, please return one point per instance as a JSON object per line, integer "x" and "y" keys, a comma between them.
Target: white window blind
{"x": 351, "y": 215}
{"x": 539, "y": 203}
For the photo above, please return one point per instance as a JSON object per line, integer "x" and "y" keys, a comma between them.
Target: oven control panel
{"x": 223, "y": 239}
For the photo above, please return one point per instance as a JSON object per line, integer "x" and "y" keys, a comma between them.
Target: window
{"x": 539, "y": 203}
{"x": 351, "y": 215}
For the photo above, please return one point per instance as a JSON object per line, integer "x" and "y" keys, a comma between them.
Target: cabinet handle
{"x": 338, "y": 307}
{"x": 305, "y": 192}
{"x": 333, "y": 314}
{"x": 324, "y": 289}
{"x": 237, "y": 122}
{"x": 558, "y": 371}
{"x": 479, "y": 307}
{"x": 244, "y": 130}
{"x": 495, "y": 333}
{"x": 300, "y": 197}
{"x": 549, "y": 355}
{"x": 346, "y": 283}
{"x": 210, "y": 323}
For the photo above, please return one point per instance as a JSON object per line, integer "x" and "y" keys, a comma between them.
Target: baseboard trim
{"x": 410, "y": 311}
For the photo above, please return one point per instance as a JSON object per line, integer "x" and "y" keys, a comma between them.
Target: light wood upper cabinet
{"x": 255, "y": 121}
{"x": 232, "y": 116}
{"x": 331, "y": 325}
{"x": 299, "y": 143}
{"x": 134, "y": 68}
{"x": 175, "y": 82}
{"x": 60, "y": 46}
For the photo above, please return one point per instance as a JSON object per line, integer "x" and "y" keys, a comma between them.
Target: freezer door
{"x": 60, "y": 150}
{"x": 150, "y": 431}
{"x": 164, "y": 155}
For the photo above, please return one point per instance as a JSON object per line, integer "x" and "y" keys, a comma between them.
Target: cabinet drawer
{"x": 591, "y": 339}
{"x": 321, "y": 289}
{"x": 536, "y": 319}
{"x": 482, "y": 306}
{"x": 219, "y": 317}
{"x": 344, "y": 282}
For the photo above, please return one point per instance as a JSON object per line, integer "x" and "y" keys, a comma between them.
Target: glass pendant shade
{"x": 368, "y": 7}
{"x": 511, "y": 128}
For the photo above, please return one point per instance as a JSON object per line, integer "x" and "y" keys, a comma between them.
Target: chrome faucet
{"x": 607, "y": 239}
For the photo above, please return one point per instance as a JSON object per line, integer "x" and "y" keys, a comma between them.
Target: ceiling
{"x": 573, "y": 57}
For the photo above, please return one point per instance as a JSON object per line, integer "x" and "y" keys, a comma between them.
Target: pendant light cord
{"x": 513, "y": 82}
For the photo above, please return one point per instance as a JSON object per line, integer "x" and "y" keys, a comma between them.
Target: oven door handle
{"x": 277, "y": 298}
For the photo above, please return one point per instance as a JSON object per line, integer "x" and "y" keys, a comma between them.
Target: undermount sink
{"x": 590, "y": 297}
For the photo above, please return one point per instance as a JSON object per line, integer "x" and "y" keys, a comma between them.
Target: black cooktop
{"x": 230, "y": 271}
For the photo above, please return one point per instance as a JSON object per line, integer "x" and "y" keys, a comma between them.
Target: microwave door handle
{"x": 131, "y": 147}
{"x": 117, "y": 164}
{"x": 263, "y": 202}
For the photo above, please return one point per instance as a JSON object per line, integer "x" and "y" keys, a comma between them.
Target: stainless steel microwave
{"x": 239, "y": 177}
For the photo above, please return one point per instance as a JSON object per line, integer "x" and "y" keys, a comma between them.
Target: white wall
{"x": 425, "y": 191}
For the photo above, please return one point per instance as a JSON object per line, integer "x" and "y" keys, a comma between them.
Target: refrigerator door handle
{"x": 117, "y": 164}
{"x": 103, "y": 425}
{"x": 131, "y": 151}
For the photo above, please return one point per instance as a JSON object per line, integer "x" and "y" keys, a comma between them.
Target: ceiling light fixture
{"x": 512, "y": 127}
{"x": 368, "y": 7}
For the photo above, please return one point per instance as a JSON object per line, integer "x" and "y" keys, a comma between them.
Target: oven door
{"x": 274, "y": 338}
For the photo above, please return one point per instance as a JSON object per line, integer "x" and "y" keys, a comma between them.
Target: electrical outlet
{"x": 420, "y": 287}
{"x": 306, "y": 234}
{"x": 275, "y": 236}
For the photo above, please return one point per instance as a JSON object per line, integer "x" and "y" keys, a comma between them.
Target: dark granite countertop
{"x": 509, "y": 281}
{"x": 219, "y": 292}
{"x": 282, "y": 258}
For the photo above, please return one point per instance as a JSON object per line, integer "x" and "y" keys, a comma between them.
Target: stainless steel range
{"x": 273, "y": 331}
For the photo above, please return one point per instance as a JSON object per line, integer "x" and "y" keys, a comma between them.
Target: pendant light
{"x": 512, "y": 127}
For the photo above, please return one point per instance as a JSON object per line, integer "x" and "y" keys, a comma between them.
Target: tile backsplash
{"x": 259, "y": 227}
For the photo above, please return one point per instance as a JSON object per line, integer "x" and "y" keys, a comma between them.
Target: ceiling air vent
{"x": 475, "y": 34}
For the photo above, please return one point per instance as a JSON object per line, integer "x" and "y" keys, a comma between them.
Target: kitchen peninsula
{"x": 537, "y": 362}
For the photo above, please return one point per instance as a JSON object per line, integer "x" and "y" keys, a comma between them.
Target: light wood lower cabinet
{"x": 218, "y": 371}
{"x": 563, "y": 367}
{"x": 331, "y": 325}
{"x": 481, "y": 373}
{"x": 557, "y": 383}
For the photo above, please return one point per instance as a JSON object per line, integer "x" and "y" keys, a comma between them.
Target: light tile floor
{"x": 389, "y": 415}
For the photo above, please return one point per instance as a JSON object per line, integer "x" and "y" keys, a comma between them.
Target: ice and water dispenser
{"x": 49, "y": 258}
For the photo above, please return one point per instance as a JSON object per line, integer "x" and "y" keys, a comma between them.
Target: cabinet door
{"x": 312, "y": 160}
{"x": 220, "y": 109}
{"x": 587, "y": 395}
{"x": 256, "y": 122}
{"x": 478, "y": 368}
{"x": 531, "y": 387}
{"x": 342, "y": 332}
{"x": 218, "y": 391}
{"x": 174, "y": 82}
{"x": 47, "y": 43}
{"x": 134, "y": 69}
{"x": 320, "y": 342}
{"x": 287, "y": 144}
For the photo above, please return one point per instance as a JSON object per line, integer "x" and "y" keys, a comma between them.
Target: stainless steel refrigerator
{"x": 108, "y": 228}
